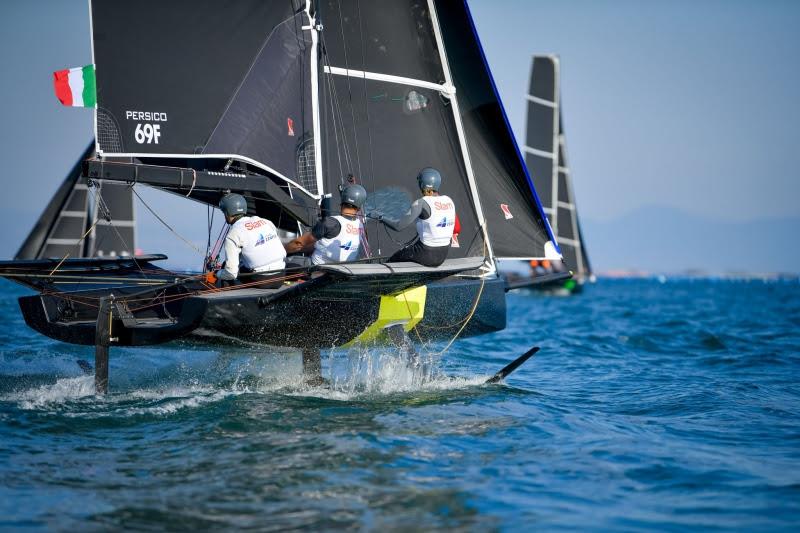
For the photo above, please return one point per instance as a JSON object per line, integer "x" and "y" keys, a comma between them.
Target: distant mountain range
{"x": 661, "y": 239}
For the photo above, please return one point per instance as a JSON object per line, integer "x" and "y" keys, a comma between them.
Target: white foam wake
{"x": 357, "y": 376}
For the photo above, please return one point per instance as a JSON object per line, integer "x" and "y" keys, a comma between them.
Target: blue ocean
{"x": 651, "y": 406}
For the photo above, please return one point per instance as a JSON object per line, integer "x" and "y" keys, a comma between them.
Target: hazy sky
{"x": 690, "y": 104}
{"x": 685, "y": 104}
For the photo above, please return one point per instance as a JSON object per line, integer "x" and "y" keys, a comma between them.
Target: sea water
{"x": 650, "y": 406}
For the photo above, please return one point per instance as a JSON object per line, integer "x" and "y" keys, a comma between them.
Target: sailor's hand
{"x": 375, "y": 215}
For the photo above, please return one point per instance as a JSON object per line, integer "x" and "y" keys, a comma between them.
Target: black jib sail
{"x": 546, "y": 157}
{"x": 387, "y": 113}
{"x": 515, "y": 223}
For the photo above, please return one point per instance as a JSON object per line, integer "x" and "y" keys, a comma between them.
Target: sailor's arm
{"x": 303, "y": 243}
{"x": 232, "y": 249}
{"x": 409, "y": 218}
{"x": 327, "y": 228}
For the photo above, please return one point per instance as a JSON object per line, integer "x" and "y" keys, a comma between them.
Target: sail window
{"x": 415, "y": 102}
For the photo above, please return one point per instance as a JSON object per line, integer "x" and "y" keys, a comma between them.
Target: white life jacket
{"x": 262, "y": 250}
{"x": 341, "y": 248}
{"x": 437, "y": 229}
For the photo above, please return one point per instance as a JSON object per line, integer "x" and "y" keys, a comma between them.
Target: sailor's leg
{"x": 406, "y": 253}
{"x": 312, "y": 366}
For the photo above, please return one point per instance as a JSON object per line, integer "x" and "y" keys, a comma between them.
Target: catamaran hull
{"x": 466, "y": 307}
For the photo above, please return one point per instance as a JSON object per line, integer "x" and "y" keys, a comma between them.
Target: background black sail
{"x": 546, "y": 157}
{"x": 79, "y": 223}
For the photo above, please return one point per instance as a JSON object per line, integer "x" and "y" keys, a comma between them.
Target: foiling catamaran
{"x": 281, "y": 101}
{"x": 546, "y": 159}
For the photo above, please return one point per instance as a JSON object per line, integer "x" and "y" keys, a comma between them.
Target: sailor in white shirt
{"x": 335, "y": 239}
{"x": 435, "y": 216}
{"x": 252, "y": 242}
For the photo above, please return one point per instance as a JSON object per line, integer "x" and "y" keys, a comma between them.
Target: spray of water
{"x": 182, "y": 383}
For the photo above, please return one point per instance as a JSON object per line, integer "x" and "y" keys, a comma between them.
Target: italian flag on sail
{"x": 76, "y": 86}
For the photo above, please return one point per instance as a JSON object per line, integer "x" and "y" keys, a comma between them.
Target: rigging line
{"x": 366, "y": 108}
{"x": 469, "y": 316}
{"x": 209, "y": 223}
{"x": 179, "y": 297}
{"x": 337, "y": 109}
{"x": 345, "y": 142}
{"x": 217, "y": 249}
{"x": 107, "y": 216}
{"x": 328, "y": 82}
{"x": 349, "y": 88}
{"x": 76, "y": 244}
{"x": 194, "y": 182}
{"x": 190, "y": 244}
{"x": 58, "y": 265}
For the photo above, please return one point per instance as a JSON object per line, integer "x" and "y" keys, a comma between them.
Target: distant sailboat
{"x": 546, "y": 158}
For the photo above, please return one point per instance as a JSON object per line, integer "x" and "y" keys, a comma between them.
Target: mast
{"x": 312, "y": 27}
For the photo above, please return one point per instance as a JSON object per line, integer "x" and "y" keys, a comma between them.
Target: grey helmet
{"x": 429, "y": 179}
{"x": 233, "y": 204}
{"x": 354, "y": 195}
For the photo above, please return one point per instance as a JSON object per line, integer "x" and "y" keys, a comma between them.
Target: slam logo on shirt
{"x": 444, "y": 223}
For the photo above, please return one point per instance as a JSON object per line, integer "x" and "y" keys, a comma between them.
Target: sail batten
{"x": 442, "y": 88}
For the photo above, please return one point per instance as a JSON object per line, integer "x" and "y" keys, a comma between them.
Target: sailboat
{"x": 286, "y": 102}
{"x": 546, "y": 159}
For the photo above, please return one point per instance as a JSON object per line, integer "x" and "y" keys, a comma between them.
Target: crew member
{"x": 335, "y": 239}
{"x": 252, "y": 241}
{"x": 435, "y": 216}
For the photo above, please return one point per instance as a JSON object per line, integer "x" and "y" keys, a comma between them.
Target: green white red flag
{"x": 76, "y": 86}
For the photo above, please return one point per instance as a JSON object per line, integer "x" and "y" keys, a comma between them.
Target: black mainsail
{"x": 546, "y": 157}
{"x": 206, "y": 79}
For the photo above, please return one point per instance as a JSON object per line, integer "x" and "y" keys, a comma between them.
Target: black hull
{"x": 315, "y": 320}
{"x": 330, "y": 306}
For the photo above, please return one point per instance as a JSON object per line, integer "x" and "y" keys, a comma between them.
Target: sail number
{"x": 147, "y": 133}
